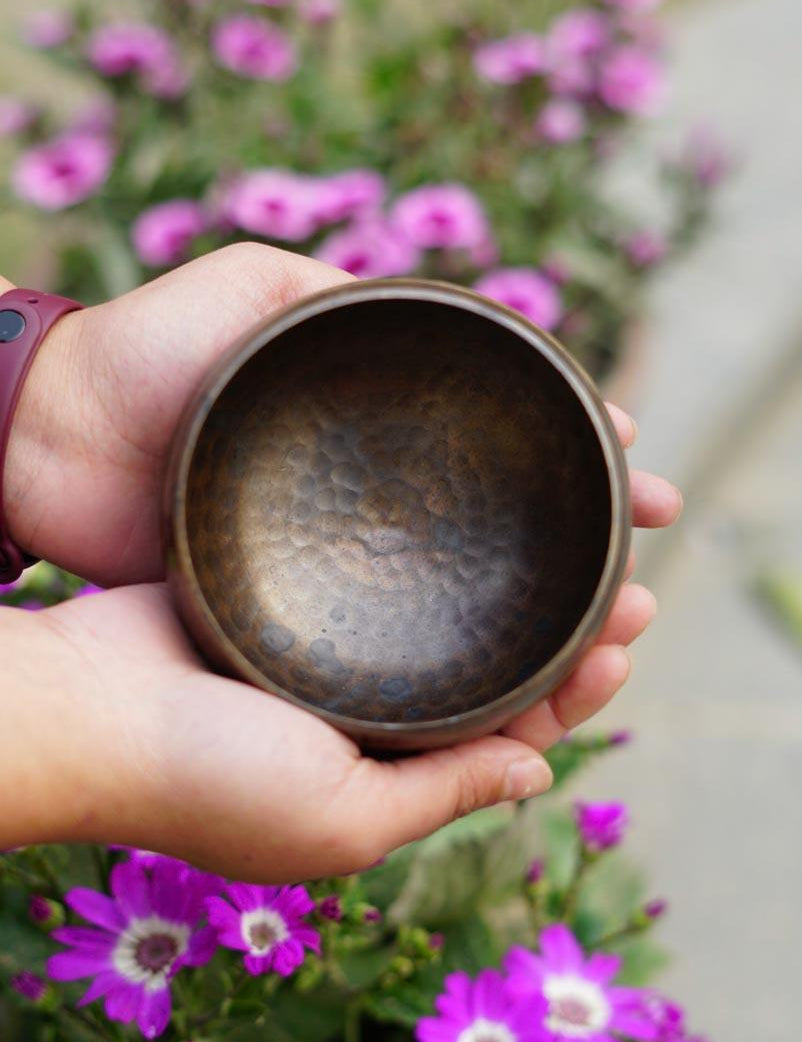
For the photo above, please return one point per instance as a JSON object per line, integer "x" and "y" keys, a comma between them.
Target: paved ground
{"x": 716, "y": 774}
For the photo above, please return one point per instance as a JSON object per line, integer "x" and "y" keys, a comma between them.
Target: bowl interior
{"x": 398, "y": 510}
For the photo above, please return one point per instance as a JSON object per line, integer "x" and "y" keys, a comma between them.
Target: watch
{"x": 25, "y": 318}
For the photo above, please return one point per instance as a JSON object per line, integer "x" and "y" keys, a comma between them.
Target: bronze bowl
{"x": 400, "y": 506}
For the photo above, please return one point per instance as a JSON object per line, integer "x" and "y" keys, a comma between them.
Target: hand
{"x": 98, "y": 411}
{"x": 162, "y": 754}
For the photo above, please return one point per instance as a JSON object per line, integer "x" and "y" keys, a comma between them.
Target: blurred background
{"x": 707, "y": 355}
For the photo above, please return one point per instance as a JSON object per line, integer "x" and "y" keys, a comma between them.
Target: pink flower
{"x": 140, "y": 937}
{"x": 15, "y": 115}
{"x": 526, "y": 290}
{"x": 582, "y": 1003}
{"x": 47, "y": 29}
{"x": 601, "y": 825}
{"x": 254, "y": 48}
{"x": 631, "y": 80}
{"x": 349, "y": 194}
{"x": 267, "y": 923}
{"x": 318, "y": 12}
{"x": 370, "y": 249}
{"x": 162, "y": 234}
{"x": 577, "y": 34}
{"x": 62, "y": 172}
{"x": 444, "y": 216}
{"x": 274, "y": 203}
{"x": 511, "y": 59}
{"x": 645, "y": 248}
{"x": 139, "y": 49}
{"x": 270, "y": 3}
{"x": 97, "y": 116}
{"x": 574, "y": 77}
{"x": 560, "y": 120}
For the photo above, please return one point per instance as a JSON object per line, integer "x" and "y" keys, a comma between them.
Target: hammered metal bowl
{"x": 400, "y": 506}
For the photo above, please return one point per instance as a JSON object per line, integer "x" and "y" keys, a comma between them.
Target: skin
{"x": 111, "y": 729}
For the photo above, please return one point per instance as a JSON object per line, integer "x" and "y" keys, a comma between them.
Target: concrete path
{"x": 715, "y": 777}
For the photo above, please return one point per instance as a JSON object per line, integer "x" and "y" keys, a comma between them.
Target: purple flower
{"x": 631, "y": 80}
{"x": 656, "y": 908}
{"x": 47, "y": 29}
{"x": 371, "y": 915}
{"x": 512, "y": 59}
{"x": 162, "y": 234}
{"x": 349, "y": 194}
{"x": 253, "y": 48}
{"x": 645, "y": 248}
{"x": 601, "y": 825}
{"x": 15, "y": 115}
{"x": 581, "y": 1002}
{"x": 577, "y": 34}
{"x": 141, "y": 936}
{"x": 620, "y": 737}
{"x": 535, "y": 871}
{"x": 266, "y": 922}
{"x": 44, "y": 912}
{"x": 318, "y": 12}
{"x": 666, "y": 1017}
{"x": 706, "y": 158}
{"x": 526, "y": 290}
{"x": 370, "y": 249}
{"x": 276, "y": 204}
{"x": 482, "y": 1010}
{"x": 29, "y": 985}
{"x": 331, "y": 907}
{"x": 560, "y": 120}
{"x": 62, "y": 172}
{"x": 442, "y": 216}
{"x": 88, "y": 590}
{"x": 139, "y": 49}
{"x": 436, "y": 941}
{"x": 31, "y": 605}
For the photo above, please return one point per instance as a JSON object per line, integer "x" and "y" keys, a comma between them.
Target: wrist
{"x": 42, "y": 439}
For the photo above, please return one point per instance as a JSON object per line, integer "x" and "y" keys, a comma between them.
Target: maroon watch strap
{"x": 25, "y": 318}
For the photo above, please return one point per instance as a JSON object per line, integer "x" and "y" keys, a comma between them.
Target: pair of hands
{"x": 124, "y": 736}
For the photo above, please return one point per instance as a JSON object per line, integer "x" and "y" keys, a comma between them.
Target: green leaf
{"x": 643, "y": 959}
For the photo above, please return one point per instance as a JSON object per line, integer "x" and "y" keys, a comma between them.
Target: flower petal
{"x": 247, "y": 897}
{"x": 202, "y": 946}
{"x": 76, "y": 964}
{"x": 96, "y": 908}
{"x": 154, "y": 1012}
{"x": 560, "y": 949}
{"x": 602, "y": 967}
{"x": 99, "y": 987}
{"x": 130, "y": 886}
{"x": 123, "y": 1001}
{"x": 227, "y": 921}
{"x": 85, "y": 937}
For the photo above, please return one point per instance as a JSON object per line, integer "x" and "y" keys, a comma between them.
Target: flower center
{"x": 578, "y": 1007}
{"x": 263, "y": 929}
{"x": 156, "y": 952}
{"x": 147, "y": 950}
{"x": 482, "y": 1030}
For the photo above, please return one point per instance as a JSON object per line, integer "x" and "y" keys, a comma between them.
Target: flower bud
{"x": 45, "y": 913}
{"x": 331, "y": 908}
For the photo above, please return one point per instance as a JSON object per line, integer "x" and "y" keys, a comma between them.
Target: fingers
{"x": 590, "y": 687}
{"x": 655, "y": 501}
{"x": 625, "y": 426}
{"x": 403, "y": 800}
{"x": 634, "y": 609}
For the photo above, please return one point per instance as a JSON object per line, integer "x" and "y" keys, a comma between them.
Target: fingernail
{"x": 680, "y": 503}
{"x": 634, "y": 435}
{"x": 527, "y": 777}
{"x": 625, "y": 661}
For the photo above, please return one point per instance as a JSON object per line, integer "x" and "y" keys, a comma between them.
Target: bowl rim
{"x": 192, "y": 602}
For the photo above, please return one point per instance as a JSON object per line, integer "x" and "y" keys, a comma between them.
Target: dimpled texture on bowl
{"x": 398, "y": 511}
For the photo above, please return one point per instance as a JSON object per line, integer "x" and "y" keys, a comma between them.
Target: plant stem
{"x": 352, "y": 1027}
{"x": 572, "y": 893}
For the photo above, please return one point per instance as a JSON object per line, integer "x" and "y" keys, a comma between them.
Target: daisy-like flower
{"x": 482, "y": 1010}
{"x": 63, "y": 171}
{"x": 253, "y": 48}
{"x": 267, "y": 923}
{"x": 370, "y": 249}
{"x": 141, "y": 936}
{"x": 512, "y": 59}
{"x": 162, "y": 234}
{"x": 582, "y": 1003}
{"x": 274, "y": 203}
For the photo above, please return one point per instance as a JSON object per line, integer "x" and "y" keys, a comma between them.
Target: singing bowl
{"x": 400, "y": 506}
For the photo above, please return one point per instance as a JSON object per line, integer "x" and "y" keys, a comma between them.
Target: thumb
{"x": 407, "y": 799}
